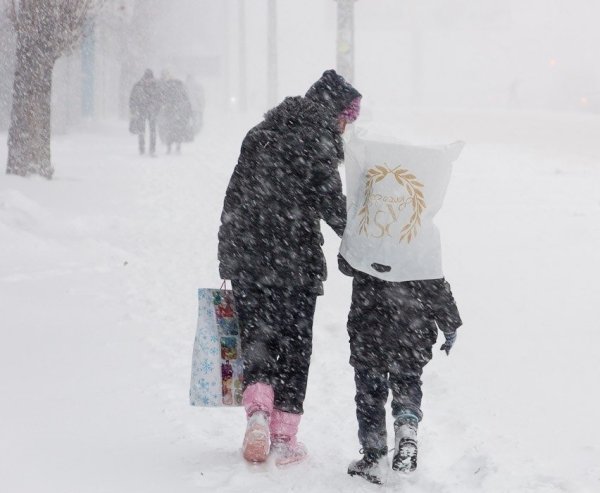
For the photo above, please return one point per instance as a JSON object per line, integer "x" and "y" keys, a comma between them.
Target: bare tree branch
{"x": 72, "y": 16}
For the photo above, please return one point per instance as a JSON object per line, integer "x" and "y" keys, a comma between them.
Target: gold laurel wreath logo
{"x": 412, "y": 186}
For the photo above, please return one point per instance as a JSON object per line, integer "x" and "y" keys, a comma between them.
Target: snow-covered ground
{"x": 98, "y": 277}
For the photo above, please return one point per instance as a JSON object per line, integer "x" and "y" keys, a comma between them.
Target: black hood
{"x": 332, "y": 92}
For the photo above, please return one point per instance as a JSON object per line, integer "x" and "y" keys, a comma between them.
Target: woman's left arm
{"x": 331, "y": 199}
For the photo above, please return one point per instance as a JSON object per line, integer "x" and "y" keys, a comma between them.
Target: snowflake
{"x": 206, "y": 366}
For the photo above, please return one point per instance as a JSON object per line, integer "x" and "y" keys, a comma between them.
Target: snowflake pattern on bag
{"x": 217, "y": 369}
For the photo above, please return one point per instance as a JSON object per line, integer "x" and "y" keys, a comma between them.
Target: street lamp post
{"x": 345, "y": 38}
{"x": 242, "y": 55}
{"x": 272, "y": 53}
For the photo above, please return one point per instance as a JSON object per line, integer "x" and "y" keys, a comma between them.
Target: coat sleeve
{"x": 330, "y": 197}
{"x": 232, "y": 219}
{"x": 236, "y": 223}
{"x": 444, "y": 309}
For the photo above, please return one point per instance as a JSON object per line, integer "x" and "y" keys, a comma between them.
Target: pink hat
{"x": 351, "y": 112}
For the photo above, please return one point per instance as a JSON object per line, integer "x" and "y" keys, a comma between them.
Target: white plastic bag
{"x": 393, "y": 192}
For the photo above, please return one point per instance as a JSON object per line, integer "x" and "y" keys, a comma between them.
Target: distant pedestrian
{"x": 176, "y": 117}
{"x": 144, "y": 105}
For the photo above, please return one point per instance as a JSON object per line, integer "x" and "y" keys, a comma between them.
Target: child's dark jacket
{"x": 388, "y": 319}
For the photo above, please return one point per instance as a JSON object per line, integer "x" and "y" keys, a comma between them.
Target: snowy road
{"x": 98, "y": 276}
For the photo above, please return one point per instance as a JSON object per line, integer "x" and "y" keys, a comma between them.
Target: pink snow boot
{"x": 258, "y": 401}
{"x": 286, "y": 448}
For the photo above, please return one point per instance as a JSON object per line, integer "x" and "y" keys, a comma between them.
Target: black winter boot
{"x": 405, "y": 451}
{"x": 372, "y": 466}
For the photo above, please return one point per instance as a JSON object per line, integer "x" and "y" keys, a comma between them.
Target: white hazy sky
{"x": 439, "y": 53}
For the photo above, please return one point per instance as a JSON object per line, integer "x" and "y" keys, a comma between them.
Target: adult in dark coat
{"x": 176, "y": 116}
{"x": 286, "y": 180}
{"x": 144, "y": 105}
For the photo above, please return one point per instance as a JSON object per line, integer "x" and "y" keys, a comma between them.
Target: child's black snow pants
{"x": 392, "y": 331}
{"x": 276, "y": 335}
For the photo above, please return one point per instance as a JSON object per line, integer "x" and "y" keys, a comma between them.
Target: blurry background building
{"x": 128, "y": 36}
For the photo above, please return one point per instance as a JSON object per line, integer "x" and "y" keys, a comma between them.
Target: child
{"x": 399, "y": 295}
{"x": 392, "y": 328}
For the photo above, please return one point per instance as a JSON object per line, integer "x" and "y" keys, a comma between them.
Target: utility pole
{"x": 242, "y": 55}
{"x": 417, "y": 17}
{"x": 345, "y": 39}
{"x": 88, "y": 65}
{"x": 272, "y": 53}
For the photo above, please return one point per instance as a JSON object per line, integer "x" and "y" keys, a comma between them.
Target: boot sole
{"x": 369, "y": 477}
{"x": 256, "y": 447}
{"x": 284, "y": 462}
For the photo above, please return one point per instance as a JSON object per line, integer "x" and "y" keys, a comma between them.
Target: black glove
{"x": 450, "y": 340}
{"x": 344, "y": 267}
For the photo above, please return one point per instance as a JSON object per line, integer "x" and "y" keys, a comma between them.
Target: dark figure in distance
{"x": 144, "y": 105}
{"x": 176, "y": 116}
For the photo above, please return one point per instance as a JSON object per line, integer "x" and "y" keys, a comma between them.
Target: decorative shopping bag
{"x": 394, "y": 191}
{"x": 217, "y": 368}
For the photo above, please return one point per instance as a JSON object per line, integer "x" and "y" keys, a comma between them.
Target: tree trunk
{"x": 29, "y": 133}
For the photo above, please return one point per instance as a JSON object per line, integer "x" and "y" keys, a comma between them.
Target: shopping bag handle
{"x": 224, "y": 285}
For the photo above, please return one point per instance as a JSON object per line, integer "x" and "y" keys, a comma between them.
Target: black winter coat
{"x": 286, "y": 180}
{"x": 175, "y": 120}
{"x": 144, "y": 100}
{"x": 393, "y": 325}
{"x": 435, "y": 294}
